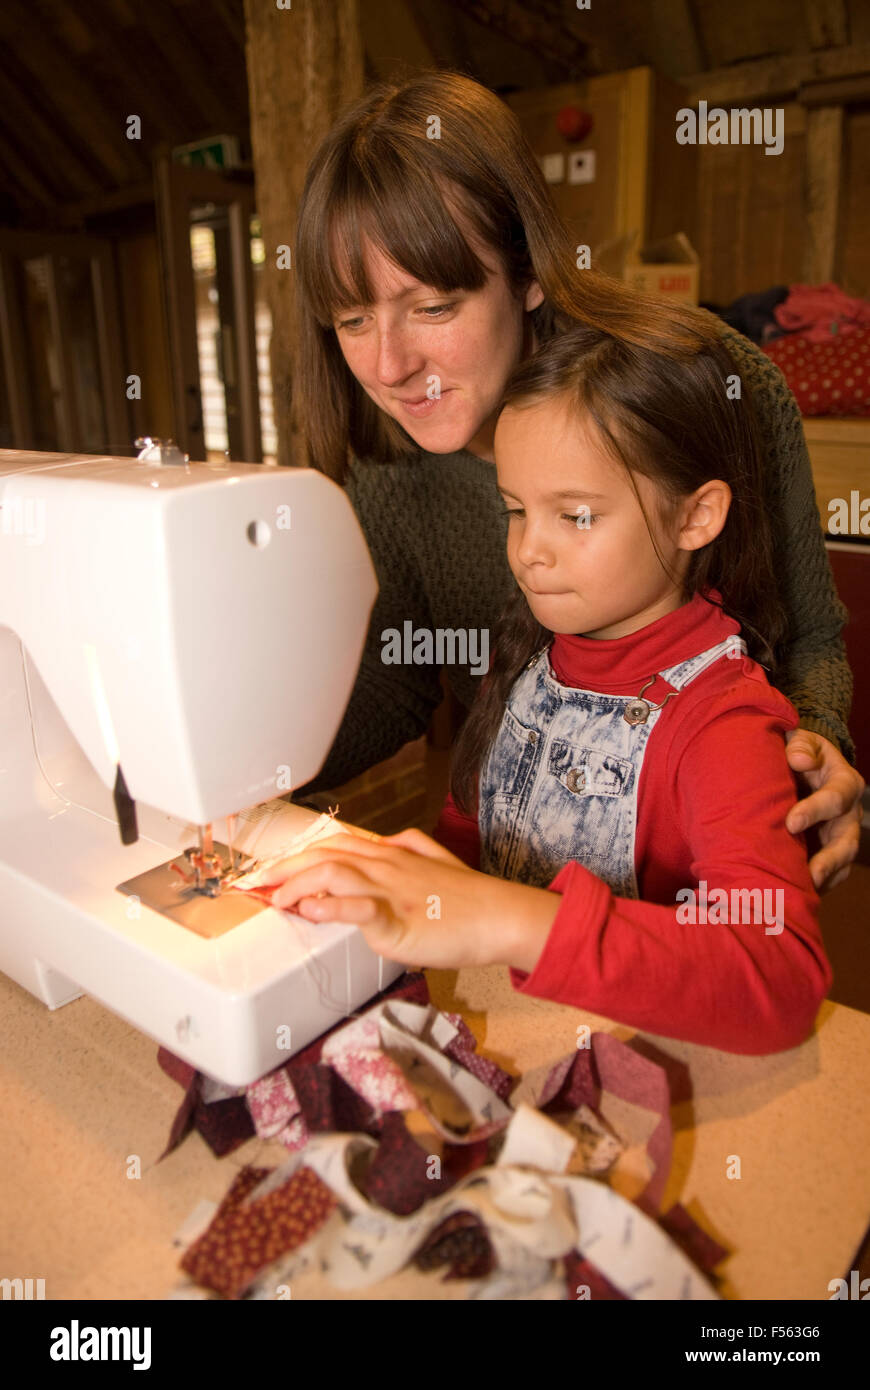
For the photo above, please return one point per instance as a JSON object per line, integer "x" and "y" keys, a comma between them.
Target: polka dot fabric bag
{"x": 826, "y": 378}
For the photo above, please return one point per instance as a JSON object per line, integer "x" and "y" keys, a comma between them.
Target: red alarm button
{"x": 573, "y": 123}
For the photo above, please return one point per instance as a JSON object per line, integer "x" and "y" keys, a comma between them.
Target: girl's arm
{"x": 414, "y": 901}
{"x": 740, "y": 984}
{"x": 746, "y": 986}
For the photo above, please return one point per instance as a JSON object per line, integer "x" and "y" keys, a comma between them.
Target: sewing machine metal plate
{"x": 164, "y": 890}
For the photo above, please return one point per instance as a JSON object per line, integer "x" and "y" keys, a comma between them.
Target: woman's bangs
{"x": 407, "y": 219}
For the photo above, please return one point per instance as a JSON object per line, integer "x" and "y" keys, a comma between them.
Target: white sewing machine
{"x": 178, "y": 643}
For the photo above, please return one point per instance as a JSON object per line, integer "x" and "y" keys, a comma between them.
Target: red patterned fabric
{"x": 460, "y": 1242}
{"x": 831, "y": 377}
{"x": 243, "y": 1239}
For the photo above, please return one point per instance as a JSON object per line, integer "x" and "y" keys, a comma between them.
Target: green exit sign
{"x": 217, "y": 152}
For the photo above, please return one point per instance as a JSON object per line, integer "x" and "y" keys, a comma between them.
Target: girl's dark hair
{"x": 680, "y": 417}
{"x": 380, "y": 175}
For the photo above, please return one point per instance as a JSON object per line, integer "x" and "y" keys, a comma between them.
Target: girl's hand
{"x": 415, "y": 902}
{"x": 835, "y": 805}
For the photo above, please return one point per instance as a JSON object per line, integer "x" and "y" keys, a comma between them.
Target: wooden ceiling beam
{"x": 48, "y": 146}
{"x": 538, "y": 28}
{"x": 842, "y": 91}
{"x": 183, "y": 64}
{"x": 69, "y": 29}
{"x": 75, "y": 100}
{"x": 781, "y": 77}
{"x": 23, "y": 178}
{"x": 391, "y": 35}
{"x": 230, "y": 14}
{"x": 443, "y": 32}
{"x": 222, "y": 59}
{"x": 672, "y": 39}
{"x": 134, "y": 195}
{"x": 147, "y": 91}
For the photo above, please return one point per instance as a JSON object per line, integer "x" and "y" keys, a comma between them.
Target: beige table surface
{"x": 81, "y": 1092}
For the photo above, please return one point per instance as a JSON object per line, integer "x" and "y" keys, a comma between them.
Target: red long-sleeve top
{"x": 713, "y": 795}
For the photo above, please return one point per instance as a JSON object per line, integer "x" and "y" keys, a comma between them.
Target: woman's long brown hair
{"x": 679, "y": 420}
{"x": 380, "y": 175}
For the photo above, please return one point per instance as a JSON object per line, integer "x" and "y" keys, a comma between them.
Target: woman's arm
{"x": 815, "y": 674}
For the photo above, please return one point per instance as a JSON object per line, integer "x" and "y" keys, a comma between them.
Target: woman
{"x": 431, "y": 261}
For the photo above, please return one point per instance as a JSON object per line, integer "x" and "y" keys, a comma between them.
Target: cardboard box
{"x": 668, "y": 268}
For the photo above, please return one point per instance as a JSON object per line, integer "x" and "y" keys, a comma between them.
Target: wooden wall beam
{"x": 246, "y": 339}
{"x": 110, "y": 349}
{"x": 13, "y": 344}
{"x": 827, "y": 23}
{"x": 823, "y": 164}
{"x": 173, "y": 228}
{"x": 66, "y": 404}
{"x": 304, "y": 65}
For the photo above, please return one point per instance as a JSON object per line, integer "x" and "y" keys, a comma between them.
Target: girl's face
{"x": 599, "y": 578}
{"x": 415, "y": 342}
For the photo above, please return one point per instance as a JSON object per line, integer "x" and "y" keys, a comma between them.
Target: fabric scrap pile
{"x": 404, "y": 1150}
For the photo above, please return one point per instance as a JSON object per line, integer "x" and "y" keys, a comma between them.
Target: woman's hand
{"x": 835, "y": 805}
{"x": 415, "y": 902}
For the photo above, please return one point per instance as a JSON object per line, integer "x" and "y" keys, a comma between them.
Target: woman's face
{"x": 437, "y": 363}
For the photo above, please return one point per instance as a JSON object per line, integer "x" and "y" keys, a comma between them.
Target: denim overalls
{"x": 560, "y": 781}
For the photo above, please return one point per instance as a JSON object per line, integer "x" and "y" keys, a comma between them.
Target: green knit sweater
{"x": 437, "y": 536}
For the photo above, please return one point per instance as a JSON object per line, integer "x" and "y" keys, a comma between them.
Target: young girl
{"x": 620, "y": 787}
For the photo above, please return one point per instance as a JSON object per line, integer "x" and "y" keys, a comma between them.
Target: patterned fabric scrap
{"x": 243, "y": 1238}
{"x": 220, "y": 1116}
{"x": 610, "y": 1065}
{"x": 460, "y": 1242}
{"x": 269, "y": 1107}
{"x": 398, "y": 1178}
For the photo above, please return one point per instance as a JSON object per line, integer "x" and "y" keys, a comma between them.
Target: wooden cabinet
{"x": 839, "y": 450}
{"x": 644, "y": 180}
